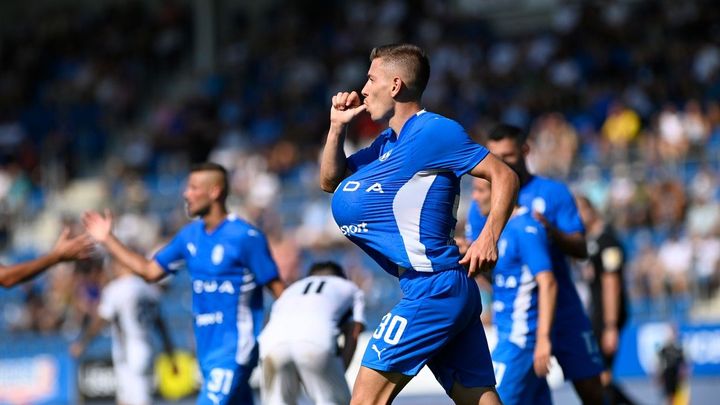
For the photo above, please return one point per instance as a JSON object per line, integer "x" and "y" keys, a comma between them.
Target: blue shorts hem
{"x": 393, "y": 368}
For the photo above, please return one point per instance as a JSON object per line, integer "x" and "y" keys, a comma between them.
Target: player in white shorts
{"x": 131, "y": 306}
{"x": 299, "y": 345}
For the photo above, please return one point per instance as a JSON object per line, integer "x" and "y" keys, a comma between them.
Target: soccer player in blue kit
{"x": 229, "y": 262}
{"x": 553, "y": 205}
{"x": 524, "y": 295}
{"x": 397, "y": 200}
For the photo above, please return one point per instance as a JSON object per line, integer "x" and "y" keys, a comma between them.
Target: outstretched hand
{"x": 345, "y": 107}
{"x": 97, "y": 225}
{"x": 78, "y": 247}
{"x": 481, "y": 256}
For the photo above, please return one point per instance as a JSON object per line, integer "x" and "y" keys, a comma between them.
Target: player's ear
{"x": 397, "y": 85}
{"x": 525, "y": 149}
{"x": 215, "y": 192}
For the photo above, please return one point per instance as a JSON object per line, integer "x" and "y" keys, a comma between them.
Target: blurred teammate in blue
{"x": 552, "y": 204}
{"x": 524, "y": 294}
{"x": 397, "y": 200}
{"x": 229, "y": 263}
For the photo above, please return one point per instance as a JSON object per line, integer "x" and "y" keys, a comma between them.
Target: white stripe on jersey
{"x": 518, "y": 333}
{"x": 407, "y": 214}
{"x": 245, "y": 324}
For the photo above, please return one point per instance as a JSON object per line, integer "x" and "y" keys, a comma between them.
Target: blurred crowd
{"x": 99, "y": 109}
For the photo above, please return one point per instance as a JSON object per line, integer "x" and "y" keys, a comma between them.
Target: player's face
{"x": 482, "y": 195}
{"x": 378, "y": 91}
{"x": 198, "y": 194}
{"x": 510, "y": 152}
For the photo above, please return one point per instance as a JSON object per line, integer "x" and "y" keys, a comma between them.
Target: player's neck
{"x": 215, "y": 217}
{"x": 403, "y": 112}
{"x": 525, "y": 177}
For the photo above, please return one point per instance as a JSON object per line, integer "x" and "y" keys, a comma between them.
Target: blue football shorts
{"x": 576, "y": 350}
{"x": 437, "y": 322}
{"x": 227, "y": 382}
{"x": 517, "y": 383}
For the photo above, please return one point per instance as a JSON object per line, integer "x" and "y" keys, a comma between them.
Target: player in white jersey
{"x": 131, "y": 306}
{"x": 299, "y": 345}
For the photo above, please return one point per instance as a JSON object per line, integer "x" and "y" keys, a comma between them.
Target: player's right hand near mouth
{"x": 345, "y": 107}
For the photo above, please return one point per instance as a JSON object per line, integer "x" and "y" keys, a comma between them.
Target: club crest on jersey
{"x": 217, "y": 255}
{"x": 385, "y": 156}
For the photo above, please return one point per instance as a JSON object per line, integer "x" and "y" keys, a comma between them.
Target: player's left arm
{"x": 353, "y": 329}
{"x": 351, "y": 332}
{"x": 482, "y": 254}
{"x": 547, "y": 297}
{"x": 535, "y": 253}
{"x": 611, "y": 258}
{"x": 262, "y": 264}
{"x": 568, "y": 232}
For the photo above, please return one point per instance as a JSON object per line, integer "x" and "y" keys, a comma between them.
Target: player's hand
{"x": 541, "y": 357}
{"x": 76, "y": 349}
{"x": 541, "y": 218}
{"x": 345, "y": 107}
{"x": 97, "y": 225}
{"x": 67, "y": 248}
{"x": 481, "y": 256}
{"x": 609, "y": 340}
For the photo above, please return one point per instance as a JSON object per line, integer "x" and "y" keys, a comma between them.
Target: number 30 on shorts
{"x": 392, "y": 327}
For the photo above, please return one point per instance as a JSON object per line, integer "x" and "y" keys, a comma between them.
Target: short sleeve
{"x": 358, "y": 310}
{"x": 567, "y": 218}
{"x": 367, "y": 155}
{"x": 534, "y": 248}
{"x": 106, "y": 310}
{"x": 169, "y": 256}
{"x": 258, "y": 257}
{"x": 475, "y": 222}
{"x": 444, "y": 145}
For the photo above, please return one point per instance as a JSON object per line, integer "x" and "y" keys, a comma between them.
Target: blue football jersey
{"x": 475, "y": 222}
{"x": 228, "y": 268}
{"x": 523, "y": 252}
{"x": 400, "y": 203}
{"x": 554, "y": 200}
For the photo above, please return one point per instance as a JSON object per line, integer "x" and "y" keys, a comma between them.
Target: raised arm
{"x": 100, "y": 228}
{"x": 482, "y": 255}
{"x": 333, "y": 166}
{"x": 65, "y": 249}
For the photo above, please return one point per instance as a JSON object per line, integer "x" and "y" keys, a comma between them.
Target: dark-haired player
{"x": 299, "y": 345}
{"x": 229, "y": 263}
